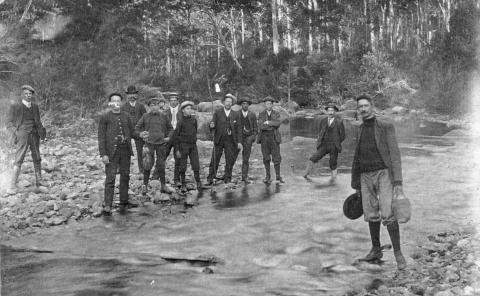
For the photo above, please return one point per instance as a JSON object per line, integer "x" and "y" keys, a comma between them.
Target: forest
{"x": 310, "y": 51}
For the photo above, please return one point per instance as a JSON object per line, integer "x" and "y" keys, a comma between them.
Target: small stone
{"x": 66, "y": 212}
{"x": 155, "y": 184}
{"x": 23, "y": 183}
{"x": 444, "y": 293}
{"x": 463, "y": 243}
{"x": 58, "y": 220}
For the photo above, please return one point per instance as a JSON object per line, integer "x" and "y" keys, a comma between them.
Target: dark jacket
{"x": 107, "y": 133}
{"x": 387, "y": 147}
{"x": 161, "y": 131}
{"x": 169, "y": 114}
{"x": 222, "y": 124}
{"x": 274, "y": 124}
{"x": 252, "y": 119}
{"x": 338, "y": 132}
{"x": 139, "y": 111}
{"x": 15, "y": 120}
{"x": 185, "y": 132}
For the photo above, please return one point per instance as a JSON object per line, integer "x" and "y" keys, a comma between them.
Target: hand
{"x": 105, "y": 159}
{"x": 398, "y": 192}
{"x": 239, "y": 146}
{"x": 178, "y": 154}
{"x": 212, "y": 124}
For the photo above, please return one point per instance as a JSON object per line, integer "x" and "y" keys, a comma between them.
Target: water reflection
{"x": 252, "y": 193}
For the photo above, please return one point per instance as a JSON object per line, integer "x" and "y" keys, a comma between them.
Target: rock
{"x": 159, "y": 197}
{"x": 343, "y": 268}
{"x": 92, "y": 165}
{"x": 207, "y": 270}
{"x": 50, "y": 205}
{"x": 399, "y": 110}
{"x": 23, "y": 183}
{"x": 451, "y": 276}
{"x": 349, "y": 105}
{"x": 66, "y": 212}
{"x": 42, "y": 189}
{"x": 463, "y": 243}
{"x": 155, "y": 184}
{"x": 58, "y": 220}
{"x": 418, "y": 289}
{"x": 444, "y": 293}
{"x": 207, "y": 106}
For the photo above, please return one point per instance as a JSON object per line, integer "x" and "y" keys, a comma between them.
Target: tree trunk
{"x": 310, "y": 31}
{"x": 274, "y": 27}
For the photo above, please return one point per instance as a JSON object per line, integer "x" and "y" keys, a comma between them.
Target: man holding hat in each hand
{"x": 226, "y": 128}
{"x": 329, "y": 141}
{"x": 26, "y": 130}
{"x": 185, "y": 141}
{"x": 248, "y": 125}
{"x": 156, "y": 130}
{"x": 270, "y": 138}
{"x": 135, "y": 111}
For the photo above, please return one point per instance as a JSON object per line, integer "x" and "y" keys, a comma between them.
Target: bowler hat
{"x": 270, "y": 98}
{"x": 156, "y": 98}
{"x": 131, "y": 90}
{"x": 245, "y": 99}
{"x": 352, "y": 207}
{"x": 185, "y": 104}
{"x": 114, "y": 94}
{"x": 28, "y": 87}
{"x": 229, "y": 95}
{"x": 331, "y": 105}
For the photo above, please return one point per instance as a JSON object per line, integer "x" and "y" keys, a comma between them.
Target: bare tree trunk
{"x": 289, "y": 28}
{"x": 243, "y": 32}
{"x": 25, "y": 12}
{"x": 167, "y": 53}
{"x": 274, "y": 27}
{"x": 310, "y": 33}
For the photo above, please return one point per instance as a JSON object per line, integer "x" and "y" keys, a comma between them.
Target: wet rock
{"x": 207, "y": 270}
{"x": 159, "y": 197}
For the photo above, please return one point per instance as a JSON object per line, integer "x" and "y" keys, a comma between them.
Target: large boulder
{"x": 399, "y": 110}
{"x": 349, "y": 105}
{"x": 207, "y": 106}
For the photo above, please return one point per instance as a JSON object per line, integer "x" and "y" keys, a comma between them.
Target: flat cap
{"x": 28, "y": 87}
{"x": 185, "y": 104}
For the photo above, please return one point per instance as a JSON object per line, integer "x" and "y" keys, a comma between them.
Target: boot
{"x": 13, "y": 183}
{"x": 267, "y": 173}
{"x": 394, "y": 232}
{"x": 277, "y": 173}
{"x": 38, "y": 174}
{"x": 308, "y": 170}
{"x": 376, "y": 251}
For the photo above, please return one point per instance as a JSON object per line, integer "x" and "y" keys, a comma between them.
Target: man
{"x": 226, "y": 137}
{"x": 26, "y": 130}
{"x": 155, "y": 129}
{"x": 248, "y": 125}
{"x": 135, "y": 111}
{"x": 377, "y": 176}
{"x": 330, "y": 138}
{"x": 174, "y": 115}
{"x": 115, "y": 131}
{"x": 270, "y": 139}
{"x": 185, "y": 141}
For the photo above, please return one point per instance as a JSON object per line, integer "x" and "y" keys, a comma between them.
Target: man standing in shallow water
{"x": 377, "y": 176}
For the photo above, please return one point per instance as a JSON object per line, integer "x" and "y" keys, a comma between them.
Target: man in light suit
{"x": 174, "y": 114}
{"x": 329, "y": 141}
{"x": 227, "y": 137}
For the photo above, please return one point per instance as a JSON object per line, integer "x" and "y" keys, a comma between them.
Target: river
{"x": 289, "y": 239}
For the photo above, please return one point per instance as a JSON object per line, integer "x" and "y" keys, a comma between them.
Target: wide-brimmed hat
{"x": 156, "y": 98}
{"x": 352, "y": 207}
{"x": 234, "y": 99}
{"x": 245, "y": 99}
{"x": 270, "y": 98}
{"x": 331, "y": 105}
{"x": 28, "y": 87}
{"x": 131, "y": 90}
{"x": 185, "y": 104}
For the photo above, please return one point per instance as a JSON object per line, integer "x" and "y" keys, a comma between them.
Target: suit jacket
{"x": 139, "y": 110}
{"x": 107, "y": 133}
{"x": 15, "y": 120}
{"x": 252, "y": 119}
{"x": 222, "y": 124}
{"x": 387, "y": 147}
{"x": 274, "y": 124}
{"x": 169, "y": 114}
{"x": 338, "y": 132}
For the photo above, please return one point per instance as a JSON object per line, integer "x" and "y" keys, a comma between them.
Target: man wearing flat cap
{"x": 270, "y": 138}
{"x": 156, "y": 130}
{"x": 248, "y": 125}
{"x": 115, "y": 131}
{"x": 26, "y": 130}
{"x": 226, "y": 137}
{"x": 135, "y": 111}
{"x": 377, "y": 176}
{"x": 174, "y": 115}
{"x": 330, "y": 137}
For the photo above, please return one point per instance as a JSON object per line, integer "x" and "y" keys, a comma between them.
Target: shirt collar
{"x": 269, "y": 112}
{"x": 227, "y": 111}
{"x": 244, "y": 113}
{"x": 27, "y": 104}
{"x": 132, "y": 104}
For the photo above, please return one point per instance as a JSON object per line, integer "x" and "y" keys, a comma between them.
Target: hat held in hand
{"x": 352, "y": 207}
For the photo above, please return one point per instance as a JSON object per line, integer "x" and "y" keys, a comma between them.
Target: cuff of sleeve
{"x": 397, "y": 183}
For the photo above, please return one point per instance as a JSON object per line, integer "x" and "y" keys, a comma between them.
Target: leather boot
{"x": 277, "y": 173}
{"x": 308, "y": 170}
{"x": 334, "y": 175}
{"x": 267, "y": 172}
{"x": 394, "y": 232}
{"x": 166, "y": 189}
{"x": 38, "y": 174}
{"x": 13, "y": 183}
{"x": 376, "y": 251}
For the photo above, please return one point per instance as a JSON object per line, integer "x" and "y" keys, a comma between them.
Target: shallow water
{"x": 287, "y": 239}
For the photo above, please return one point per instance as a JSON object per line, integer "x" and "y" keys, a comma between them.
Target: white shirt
{"x": 245, "y": 113}
{"x": 174, "y": 116}
{"x": 133, "y": 104}
{"x": 269, "y": 113}
{"x": 27, "y": 104}
{"x": 330, "y": 121}
{"x": 227, "y": 112}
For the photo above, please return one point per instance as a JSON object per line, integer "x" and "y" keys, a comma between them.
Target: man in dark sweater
{"x": 185, "y": 143}
{"x": 135, "y": 111}
{"x": 377, "y": 176}
{"x": 248, "y": 125}
{"x": 26, "y": 130}
{"x": 115, "y": 131}
{"x": 330, "y": 137}
{"x": 155, "y": 129}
